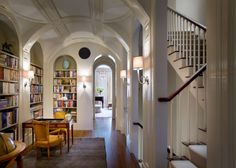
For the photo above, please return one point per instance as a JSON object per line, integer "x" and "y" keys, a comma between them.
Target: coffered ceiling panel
{"x": 114, "y": 9}
{"x": 73, "y": 7}
{"x": 26, "y": 9}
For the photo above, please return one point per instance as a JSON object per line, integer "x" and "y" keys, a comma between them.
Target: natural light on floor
{"x": 104, "y": 112}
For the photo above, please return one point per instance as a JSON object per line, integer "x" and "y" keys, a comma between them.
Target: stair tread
{"x": 192, "y": 143}
{"x": 182, "y": 164}
{"x": 201, "y": 150}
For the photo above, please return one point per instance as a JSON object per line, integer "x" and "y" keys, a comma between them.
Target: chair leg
{"x": 65, "y": 137}
{"x": 48, "y": 152}
{"x": 36, "y": 152}
{"x": 60, "y": 148}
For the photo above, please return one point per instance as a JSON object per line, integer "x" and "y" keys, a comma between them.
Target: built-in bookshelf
{"x": 36, "y": 92}
{"x": 65, "y": 87}
{"x": 9, "y": 92}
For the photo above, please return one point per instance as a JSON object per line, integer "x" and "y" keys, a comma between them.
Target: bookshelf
{"x": 65, "y": 86}
{"x": 36, "y": 92}
{"x": 9, "y": 92}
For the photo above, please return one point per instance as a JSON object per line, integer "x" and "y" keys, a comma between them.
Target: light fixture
{"x": 138, "y": 66}
{"x": 123, "y": 74}
{"x": 84, "y": 80}
{"x": 28, "y": 75}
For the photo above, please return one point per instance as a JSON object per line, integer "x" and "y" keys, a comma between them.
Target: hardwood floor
{"x": 117, "y": 153}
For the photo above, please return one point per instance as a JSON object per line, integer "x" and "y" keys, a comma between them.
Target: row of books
{"x": 9, "y": 61}
{"x": 65, "y": 103}
{"x": 34, "y": 98}
{"x": 59, "y": 89}
{"x": 8, "y": 118}
{"x": 9, "y": 101}
{"x": 8, "y": 88}
{"x": 37, "y": 80}
{"x": 70, "y": 74}
{"x": 36, "y": 89}
{"x": 62, "y": 96}
{"x": 64, "y": 82}
{"x": 37, "y": 71}
{"x": 8, "y": 74}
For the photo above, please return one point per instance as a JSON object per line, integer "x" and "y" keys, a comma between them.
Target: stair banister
{"x": 193, "y": 77}
{"x": 187, "y": 18}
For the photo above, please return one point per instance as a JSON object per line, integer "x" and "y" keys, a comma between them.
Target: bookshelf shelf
{"x": 65, "y": 86}
{"x": 9, "y": 91}
{"x": 36, "y": 92}
{"x": 9, "y": 126}
{"x": 40, "y": 102}
{"x": 10, "y": 107}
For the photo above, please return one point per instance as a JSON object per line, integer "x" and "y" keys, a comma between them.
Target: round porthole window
{"x": 84, "y": 53}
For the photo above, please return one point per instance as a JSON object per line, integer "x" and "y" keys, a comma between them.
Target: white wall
{"x": 195, "y": 9}
{"x": 84, "y": 96}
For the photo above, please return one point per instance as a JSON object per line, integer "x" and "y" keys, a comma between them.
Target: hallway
{"x": 118, "y": 155}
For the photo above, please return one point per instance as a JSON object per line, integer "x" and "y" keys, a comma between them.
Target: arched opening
{"x": 104, "y": 87}
{"x": 103, "y": 91}
{"x": 65, "y": 86}
{"x": 36, "y": 86}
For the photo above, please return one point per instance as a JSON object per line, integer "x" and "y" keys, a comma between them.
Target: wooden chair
{"x": 43, "y": 139}
{"x": 61, "y": 115}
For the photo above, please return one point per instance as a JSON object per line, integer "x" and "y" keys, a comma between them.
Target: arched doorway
{"x": 103, "y": 91}
{"x": 104, "y": 67}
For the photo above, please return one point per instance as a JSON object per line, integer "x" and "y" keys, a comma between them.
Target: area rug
{"x": 84, "y": 153}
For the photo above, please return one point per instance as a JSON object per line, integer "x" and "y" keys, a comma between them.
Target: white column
{"x": 159, "y": 114}
{"x": 221, "y": 80}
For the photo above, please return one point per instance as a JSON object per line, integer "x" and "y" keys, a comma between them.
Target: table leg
{"x": 72, "y": 133}
{"x": 68, "y": 137}
{"x": 32, "y": 135}
{"x": 19, "y": 161}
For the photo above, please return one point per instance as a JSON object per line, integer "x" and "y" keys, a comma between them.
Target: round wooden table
{"x": 14, "y": 156}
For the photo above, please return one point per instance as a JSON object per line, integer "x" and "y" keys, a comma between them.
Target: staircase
{"x": 187, "y": 129}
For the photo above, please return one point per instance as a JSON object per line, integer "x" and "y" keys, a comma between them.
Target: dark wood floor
{"x": 118, "y": 155}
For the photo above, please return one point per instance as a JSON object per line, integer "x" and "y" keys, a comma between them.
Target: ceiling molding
{"x": 138, "y": 11}
{"x": 48, "y": 9}
{"x": 7, "y": 3}
{"x": 119, "y": 19}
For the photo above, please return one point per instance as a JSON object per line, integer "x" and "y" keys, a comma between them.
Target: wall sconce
{"x": 123, "y": 75}
{"x": 84, "y": 80}
{"x": 28, "y": 75}
{"x": 138, "y": 65}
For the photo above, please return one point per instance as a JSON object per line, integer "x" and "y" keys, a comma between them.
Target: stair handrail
{"x": 138, "y": 124}
{"x": 189, "y": 19}
{"x": 193, "y": 77}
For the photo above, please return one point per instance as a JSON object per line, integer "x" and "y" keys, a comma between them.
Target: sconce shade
{"x": 84, "y": 79}
{"x": 30, "y": 74}
{"x": 138, "y": 63}
{"x": 123, "y": 74}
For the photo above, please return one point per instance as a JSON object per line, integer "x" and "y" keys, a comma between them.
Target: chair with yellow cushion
{"x": 61, "y": 115}
{"x": 43, "y": 139}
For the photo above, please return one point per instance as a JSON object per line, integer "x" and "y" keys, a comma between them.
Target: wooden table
{"x": 53, "y": 123}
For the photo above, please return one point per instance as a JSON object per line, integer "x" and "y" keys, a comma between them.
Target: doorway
{"x": 103, "y": 91}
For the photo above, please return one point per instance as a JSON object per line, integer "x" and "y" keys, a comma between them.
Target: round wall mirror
{"x": 84, "y": 53}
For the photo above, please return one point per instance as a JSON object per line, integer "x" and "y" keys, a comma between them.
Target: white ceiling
{"x": 73, "y": 19}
